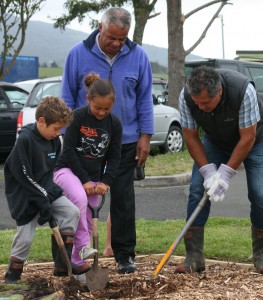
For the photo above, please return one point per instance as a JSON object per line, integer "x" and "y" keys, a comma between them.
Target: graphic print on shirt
{"x": 94, "y": 142}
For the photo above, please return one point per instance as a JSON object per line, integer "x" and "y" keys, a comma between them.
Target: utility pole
{"x": 222, "y": 32}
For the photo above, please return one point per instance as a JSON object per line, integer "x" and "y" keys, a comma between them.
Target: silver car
{"x": 168, "y": 133}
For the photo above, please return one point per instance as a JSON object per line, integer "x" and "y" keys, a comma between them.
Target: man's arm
{"x": 246, "y": 142}
{"x": 195, "y": 147}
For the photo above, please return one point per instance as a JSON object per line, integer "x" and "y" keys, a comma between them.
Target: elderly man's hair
{"x": 203, "y": 78}
{"x": 117, "y": 16}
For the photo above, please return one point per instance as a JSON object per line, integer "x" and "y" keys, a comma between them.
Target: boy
{"x": 30, "y": 191}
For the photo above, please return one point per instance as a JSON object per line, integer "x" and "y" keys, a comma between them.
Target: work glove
{"x": 45, "y": 215}
{"x": 208, "y": 172}
{"x": 221, "y": 183}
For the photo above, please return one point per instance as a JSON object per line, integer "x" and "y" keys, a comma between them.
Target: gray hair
{"x": 118, "y": 16}
{"x": 203, "y": 77}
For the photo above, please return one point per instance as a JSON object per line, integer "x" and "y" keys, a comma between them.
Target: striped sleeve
{"x": 249, "y": 110}
{"x": 187, "y": 120}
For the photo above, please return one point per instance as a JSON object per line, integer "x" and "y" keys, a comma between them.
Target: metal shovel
{"x": 181, "y": 235}
{"x": 96, "y": 278}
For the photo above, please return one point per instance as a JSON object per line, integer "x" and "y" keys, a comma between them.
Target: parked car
{"x": 168, "y": 133}
{"x": 253, "y": 70}
{"x": 27, "y": 84}
{"x": 12, "y": 100}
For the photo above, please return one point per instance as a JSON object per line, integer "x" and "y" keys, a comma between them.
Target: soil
{"x": 219, "y": 281}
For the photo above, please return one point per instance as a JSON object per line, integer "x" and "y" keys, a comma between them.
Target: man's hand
{"x": 221, "y": 183}
{"x": 143, "y": 149}
{"x": 208, "y": 171}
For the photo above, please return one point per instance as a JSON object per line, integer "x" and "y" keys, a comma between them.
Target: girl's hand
{"x": 89, "y": 187}
{"x": 101, "y": 188}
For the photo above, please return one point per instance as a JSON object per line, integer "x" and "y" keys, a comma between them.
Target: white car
{"x": 168, "y": 133}
{"x": 27, "y": 84}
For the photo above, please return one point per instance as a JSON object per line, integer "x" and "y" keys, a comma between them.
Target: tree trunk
{"x": 142, "y": 10}
{"x": 176, "y": 52}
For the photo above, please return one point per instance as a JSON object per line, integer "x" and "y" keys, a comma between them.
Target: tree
{"x": 142, "y": 13}
{"x": 80, "y": 9}
{"x": 14, "y": 17}
{"x": 176, "y": 52}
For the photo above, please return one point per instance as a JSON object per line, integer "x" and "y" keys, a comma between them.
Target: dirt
{"x": 219, "y": 281}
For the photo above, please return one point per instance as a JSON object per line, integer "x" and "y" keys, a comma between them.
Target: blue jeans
{"x": 254, "y": 172}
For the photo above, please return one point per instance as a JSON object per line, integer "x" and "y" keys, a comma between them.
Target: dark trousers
{"x": 122, "y": 208}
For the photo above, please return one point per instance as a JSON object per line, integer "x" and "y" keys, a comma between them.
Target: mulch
{"x": 221, "y": 281}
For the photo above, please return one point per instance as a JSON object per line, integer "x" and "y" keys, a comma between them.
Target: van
{"x": 253, "y": 70}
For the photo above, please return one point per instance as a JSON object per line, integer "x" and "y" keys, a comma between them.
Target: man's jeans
{"x": 254, "y": 171}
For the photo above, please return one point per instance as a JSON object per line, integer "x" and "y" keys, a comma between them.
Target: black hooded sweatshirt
{"x": 28, "y": 171}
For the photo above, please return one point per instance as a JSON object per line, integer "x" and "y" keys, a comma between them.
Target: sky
{"x": 239, "y": 27}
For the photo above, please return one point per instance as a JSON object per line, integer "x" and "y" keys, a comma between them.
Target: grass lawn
{"x": 225, "y": 239}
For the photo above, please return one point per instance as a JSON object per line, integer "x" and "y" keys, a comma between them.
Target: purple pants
{"x": 74, "y": 191}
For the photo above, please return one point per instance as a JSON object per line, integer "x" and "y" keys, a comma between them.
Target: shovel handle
{"x": 60, "y": 242}
{"x": 95, "y": 209}
{"x": 181, "y": 235}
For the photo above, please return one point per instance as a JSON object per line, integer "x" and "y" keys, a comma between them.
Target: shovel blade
{"x": 97, "y": 278}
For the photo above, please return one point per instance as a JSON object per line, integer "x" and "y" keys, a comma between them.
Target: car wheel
{"x": 174, "y": 141}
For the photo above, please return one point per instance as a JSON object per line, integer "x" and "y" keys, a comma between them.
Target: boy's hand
{"x": 45, "y": 215}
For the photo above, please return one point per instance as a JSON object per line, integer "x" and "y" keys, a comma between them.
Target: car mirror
{"x": 154, "y": 99}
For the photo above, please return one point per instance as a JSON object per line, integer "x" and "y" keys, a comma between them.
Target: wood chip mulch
{"x": 219, "y": 281}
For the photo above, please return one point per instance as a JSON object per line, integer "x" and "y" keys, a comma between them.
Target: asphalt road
{"x": 161, "y": 203}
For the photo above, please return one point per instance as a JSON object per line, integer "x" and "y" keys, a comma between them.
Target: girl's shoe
{"x": 87, "y": 252}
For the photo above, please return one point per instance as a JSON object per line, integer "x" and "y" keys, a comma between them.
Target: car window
{"x": 256, "y": 74}
{"x": 158, "y": 89}
{"x": 17, "y": 98}
{"x": 3, "y": 104}
{"x": 42, "y": 90}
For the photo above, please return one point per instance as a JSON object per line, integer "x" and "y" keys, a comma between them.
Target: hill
{"x": 51, "y": 44}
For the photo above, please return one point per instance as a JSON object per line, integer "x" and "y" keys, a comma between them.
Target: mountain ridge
{"x": 52, "y": 44}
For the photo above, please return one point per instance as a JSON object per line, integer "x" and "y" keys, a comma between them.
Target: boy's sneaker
{"x": 87, "y": 252}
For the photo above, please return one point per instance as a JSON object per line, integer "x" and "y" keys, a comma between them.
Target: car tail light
{"x": 19, "y": 122}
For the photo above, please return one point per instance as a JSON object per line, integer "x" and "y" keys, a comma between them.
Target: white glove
{"x": 208, "y": 171}
{"x": 221, "y": 183}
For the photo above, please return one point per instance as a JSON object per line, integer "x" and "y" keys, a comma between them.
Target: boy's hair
{"x": 53, "y": 109}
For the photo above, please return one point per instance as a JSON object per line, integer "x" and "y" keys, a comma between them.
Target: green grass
{"x": 226, "y": 239}
{"x": 49, "y": 72}
{"x": 168, "y": 164}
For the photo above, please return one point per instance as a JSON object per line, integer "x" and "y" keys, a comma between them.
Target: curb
{"x": 153, "y": 181}
{"x": 164, "y": 181}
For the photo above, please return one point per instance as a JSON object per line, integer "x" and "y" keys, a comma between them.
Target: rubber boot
{"x": 257, "y": 246}
{"x": 15, "y": 269}
{"x": 194, "y": 244}
{"x": 60, "y": 266}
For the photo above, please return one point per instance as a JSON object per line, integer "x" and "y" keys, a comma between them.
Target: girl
{"x": 93, "y": 138}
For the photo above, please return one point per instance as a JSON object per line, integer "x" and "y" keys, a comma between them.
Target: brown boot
{"x": 15, "y": 269}
{"x": 257, "y": 245}
{"x": 194, "y": 244}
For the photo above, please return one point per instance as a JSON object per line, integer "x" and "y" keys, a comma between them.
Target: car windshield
{"x": 158, "y": 89}
{"x": 17, "y": 98}
{"x": 42, "y": 90}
